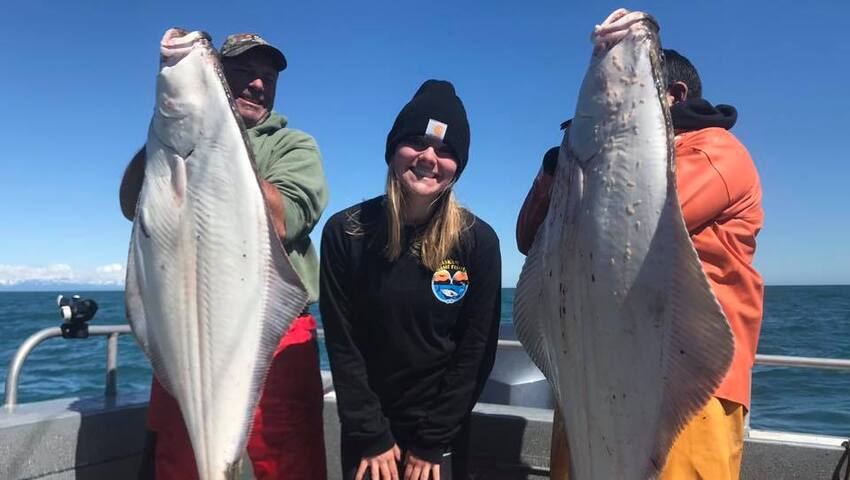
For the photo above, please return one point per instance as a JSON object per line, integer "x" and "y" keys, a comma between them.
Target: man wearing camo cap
{"x": 287, "y": 438}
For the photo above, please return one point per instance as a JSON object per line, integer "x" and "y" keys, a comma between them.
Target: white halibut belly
{"x": 210, "y": 291}
{"x": 612, "y": 303}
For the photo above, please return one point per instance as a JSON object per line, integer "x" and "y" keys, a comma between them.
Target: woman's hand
{"x": 381, "y": 466}
{"x": 418, "y": 469}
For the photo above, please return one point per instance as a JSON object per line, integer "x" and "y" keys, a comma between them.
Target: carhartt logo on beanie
{"x": 435, "y": 110}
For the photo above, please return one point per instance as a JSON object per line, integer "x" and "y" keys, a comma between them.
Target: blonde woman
{"x": 410, "y": 302}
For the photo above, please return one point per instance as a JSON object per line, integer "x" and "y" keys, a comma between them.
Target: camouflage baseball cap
{"x": 239, "y": 43}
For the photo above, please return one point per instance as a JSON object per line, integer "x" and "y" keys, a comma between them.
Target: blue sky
{"x": 78, "y": 80}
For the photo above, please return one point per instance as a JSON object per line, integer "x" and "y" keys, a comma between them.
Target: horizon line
{"x": 8, "y": 289}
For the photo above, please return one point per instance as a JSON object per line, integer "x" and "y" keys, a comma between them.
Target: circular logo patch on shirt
{"x": 450, "y": 282}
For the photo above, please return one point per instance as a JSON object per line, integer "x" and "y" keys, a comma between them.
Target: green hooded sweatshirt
{"x": 290, "y": 160}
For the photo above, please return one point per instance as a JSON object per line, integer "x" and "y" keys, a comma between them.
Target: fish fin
{"x": 133, "y": 304}
{"x": 699, "y": 346}
{"x": 135, "y": 308}
{"x": 287, "y": 293}
{"x": 530, "y": 298}
{"x": 158, "y": 228}
{"x": 529, "y": 310}
{"x": 286, "y": 299}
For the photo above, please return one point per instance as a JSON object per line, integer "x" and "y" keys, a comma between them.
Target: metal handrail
{"x": 17, "y": 363}
{"x": 775, "y": 360}
{"x": 113, "y": 331}
{"x": 805, "y": 362}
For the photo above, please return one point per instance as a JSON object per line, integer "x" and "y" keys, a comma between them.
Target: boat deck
{"x": 102, "y": 438}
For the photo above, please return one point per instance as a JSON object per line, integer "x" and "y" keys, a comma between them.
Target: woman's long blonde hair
{"x": 440, "y": 234}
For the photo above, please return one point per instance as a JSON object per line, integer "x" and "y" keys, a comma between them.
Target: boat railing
{"x": 773, "y": 360}
{"x": 113, "y": 331}
{"x": 110, "y": 331}
{"x": 766, "y": 360}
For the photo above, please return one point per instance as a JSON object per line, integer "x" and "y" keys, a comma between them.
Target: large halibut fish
{"x": 612, "y": 303}
{"x": 210, "y": 290}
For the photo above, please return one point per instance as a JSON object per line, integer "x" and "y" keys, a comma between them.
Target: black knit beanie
{"x": 437, "y": 111}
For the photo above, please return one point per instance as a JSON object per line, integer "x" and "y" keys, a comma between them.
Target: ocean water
{"x": 812, "y": 321}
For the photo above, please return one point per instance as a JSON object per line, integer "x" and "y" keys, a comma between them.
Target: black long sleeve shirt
{"x": 410, "y": 348}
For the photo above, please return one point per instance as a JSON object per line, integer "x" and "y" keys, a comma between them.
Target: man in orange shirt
{"x": 720, "y": 195}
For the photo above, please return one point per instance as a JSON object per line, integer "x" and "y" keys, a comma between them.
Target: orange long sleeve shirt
{"x": 720, "y": 194}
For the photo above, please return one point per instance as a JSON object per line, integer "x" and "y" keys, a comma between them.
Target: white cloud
{"x": 110, "y": 274}
{"x": 14, "y": 274}
{"x": 111, "y": 268}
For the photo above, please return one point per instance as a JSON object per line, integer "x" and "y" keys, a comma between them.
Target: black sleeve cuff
{"x": 371, "y": 446}
{"x": 433, "y": 455}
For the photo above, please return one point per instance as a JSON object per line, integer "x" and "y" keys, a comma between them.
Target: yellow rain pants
{"x": 709, "y": 448}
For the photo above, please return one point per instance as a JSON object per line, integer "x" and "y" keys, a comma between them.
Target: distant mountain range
{"x": 65, "y": 286}
{"x": 60, "y": 277}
